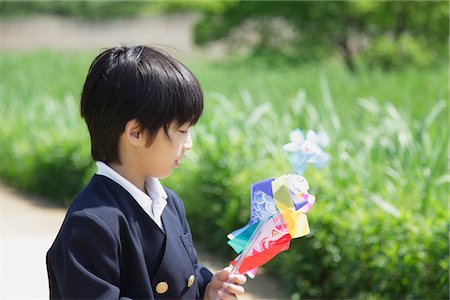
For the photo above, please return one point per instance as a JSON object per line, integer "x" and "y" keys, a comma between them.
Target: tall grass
{"x": 380, "y": 224}
{"x": 412, "y": 91}
{"x": 44, "y": 147}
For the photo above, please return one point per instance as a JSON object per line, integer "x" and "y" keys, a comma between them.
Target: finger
{"x": 223, "y": 295}
{"x": 223, "y": 274}
{"x": 237, "y": 278}
{"x": 219, "y": 278}
{"x": 234, "y": 289}
{"x": 215, "y": 283}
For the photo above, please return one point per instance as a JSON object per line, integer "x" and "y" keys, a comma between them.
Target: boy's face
{"x": 164, "y": 154}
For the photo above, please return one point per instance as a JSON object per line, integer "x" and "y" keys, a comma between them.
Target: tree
{"x": 320, "y": 29}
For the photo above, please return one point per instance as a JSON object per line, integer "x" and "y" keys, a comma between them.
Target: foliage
{"x": 384, "y": 34}
{"x": 386, "y": 54}
{"x": 380, "y": 224}
{"x": 44, "y": 144}
{"x": 214, "y": 6}
{"x": 30, "y": 154}
{"x": 315, "y": 29}
{"x": 90, "y": 10}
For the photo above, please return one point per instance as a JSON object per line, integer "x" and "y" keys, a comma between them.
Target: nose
{"x": 188, "y": 142}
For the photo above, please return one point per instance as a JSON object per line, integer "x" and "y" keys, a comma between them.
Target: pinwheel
{"x": 302, "y": 150}
{"x": 278, "y": 207}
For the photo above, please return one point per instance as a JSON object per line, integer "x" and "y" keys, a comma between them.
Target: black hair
{"x": 126, "y": 83}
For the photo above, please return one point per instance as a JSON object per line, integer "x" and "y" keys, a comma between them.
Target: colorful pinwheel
{"x": 278, "y": 207}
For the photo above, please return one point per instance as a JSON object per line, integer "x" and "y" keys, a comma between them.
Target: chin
{"x": 163, "y": 176}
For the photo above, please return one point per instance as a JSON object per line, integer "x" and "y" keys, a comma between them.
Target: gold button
{"x": 162, "y": 287}
{"x": 191, "y": 281}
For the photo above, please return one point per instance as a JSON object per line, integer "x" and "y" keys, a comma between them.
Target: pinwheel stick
{"x": 302, "y": 160}
{"x": 255, "y": 234}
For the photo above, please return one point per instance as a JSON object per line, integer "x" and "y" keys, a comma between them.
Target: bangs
{"x": 172, "y": 92}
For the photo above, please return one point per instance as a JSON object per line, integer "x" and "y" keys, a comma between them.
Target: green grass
{"x": 380, "y": 224}
{"x": 412, "y": 91}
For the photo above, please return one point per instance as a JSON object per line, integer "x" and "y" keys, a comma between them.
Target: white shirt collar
{"x": 152, "y": 185}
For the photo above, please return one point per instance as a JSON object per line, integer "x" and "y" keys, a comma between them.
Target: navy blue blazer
{"x": 109, "y": 248}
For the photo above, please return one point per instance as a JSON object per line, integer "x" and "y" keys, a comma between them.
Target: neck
{"x": 135, "y": 179}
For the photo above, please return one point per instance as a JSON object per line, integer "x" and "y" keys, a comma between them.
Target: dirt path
{"x": 28, "y": 225}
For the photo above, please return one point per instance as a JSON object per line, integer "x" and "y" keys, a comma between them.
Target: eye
{"x": 183, "y": 131}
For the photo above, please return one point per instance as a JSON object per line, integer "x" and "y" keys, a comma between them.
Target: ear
{"x": 133, "y": 132}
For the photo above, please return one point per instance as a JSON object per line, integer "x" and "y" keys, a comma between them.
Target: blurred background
{"x": 374, "y": 75}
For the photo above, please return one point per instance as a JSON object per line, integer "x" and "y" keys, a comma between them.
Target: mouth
{"x": 178, "y": 161}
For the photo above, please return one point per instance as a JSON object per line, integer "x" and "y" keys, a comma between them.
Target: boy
{"x": 125, "y": 235}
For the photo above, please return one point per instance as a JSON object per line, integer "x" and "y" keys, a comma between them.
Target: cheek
{"x": 178, "y": 144}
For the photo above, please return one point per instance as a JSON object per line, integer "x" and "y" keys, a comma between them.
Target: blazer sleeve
{"x": 203, "y": 274}
{"x": 84, "y": 264}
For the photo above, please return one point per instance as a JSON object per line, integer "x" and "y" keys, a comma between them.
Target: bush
{"x": 360, "y": 251}
{"x": 386, "y": 53}
{"x": 89, "y": 10}
{"x": 46, "y": 149}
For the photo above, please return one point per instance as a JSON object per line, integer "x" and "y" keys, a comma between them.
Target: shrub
{"x": 379, "y": 228}
{"x": 46, "y": 149}
{"x": 387, "y": 53}
{"x": 89, "y": 10}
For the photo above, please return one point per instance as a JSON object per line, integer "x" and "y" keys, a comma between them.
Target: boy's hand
{"x": 225, "y": 285}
